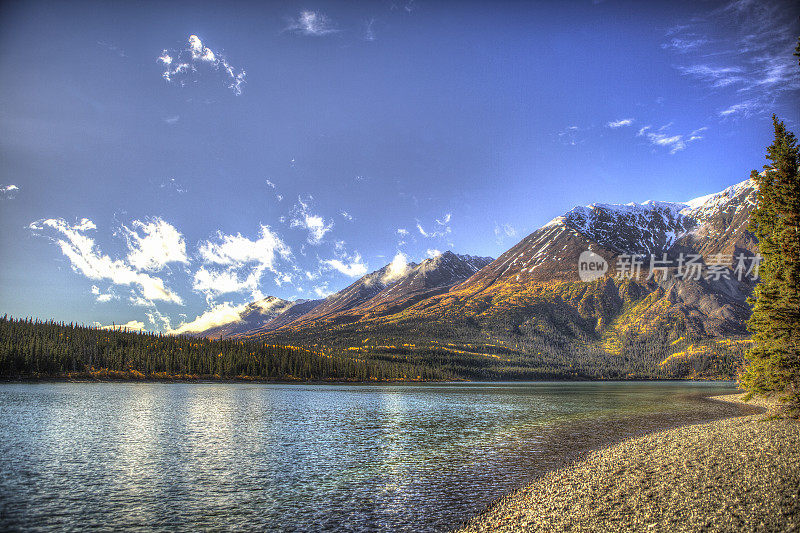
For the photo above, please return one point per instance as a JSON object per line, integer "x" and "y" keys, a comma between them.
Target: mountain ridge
{"x": 531, "y": 298}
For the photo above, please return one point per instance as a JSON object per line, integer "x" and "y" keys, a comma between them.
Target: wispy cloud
{"x": 683, "y": 45}
{"x": 714, "y": 75}
{"x": 745, "y": 109}
{"x": 188, "y": 64}
{"x": 103, "y": 297}
{"x": 441, "y": 228}
{"x": 620, "y": 123}
{"x": 8, "y": 192}
{"x": 87, "y": 259}
{"x": 674, "y": 143}
{"x": 351, "y": 265}
{"x": 316, "y": 225}
{"x": 311, "y": 23}
{"x": 112, "y": 48}
{"x": 167, "y": 185}
{"x": 322, "y": 290}
{"x": 569, "y": 136}
{"x": 503, "y": 231}
{"x": 744, "y": 47}
{"x": 355, "y": 269}
{"x": 369, "y": 30}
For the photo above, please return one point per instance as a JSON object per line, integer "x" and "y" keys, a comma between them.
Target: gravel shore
{"x": 735, "y": 474}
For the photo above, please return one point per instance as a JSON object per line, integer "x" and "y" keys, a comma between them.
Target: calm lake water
{"x": 304, "y": 457}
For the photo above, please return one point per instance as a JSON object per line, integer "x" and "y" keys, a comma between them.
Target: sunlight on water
{"x": 307, "y": 457}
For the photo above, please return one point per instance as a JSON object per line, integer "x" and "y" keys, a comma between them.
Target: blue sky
{"x": 160, "y": 162}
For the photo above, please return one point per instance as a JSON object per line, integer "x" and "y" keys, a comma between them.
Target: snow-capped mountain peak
{"x": 704, "y": 206}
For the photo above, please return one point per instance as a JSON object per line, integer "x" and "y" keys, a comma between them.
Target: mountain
{"x": 394, "y": 288}
{"x": 528, "y": 314}
{"x": 721, "y": 222}
{"x": 384, "y": 291}
{"x": 256, "y": 314}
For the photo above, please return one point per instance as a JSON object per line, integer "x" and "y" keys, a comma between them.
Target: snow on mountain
{"x": 644, "y": 228}
{"x": 653, "y": 226}
{"x": 702, "y": 208}
{"x": 711, "y": 224}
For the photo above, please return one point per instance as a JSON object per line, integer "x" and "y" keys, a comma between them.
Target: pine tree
{"x": 774, "y": 360}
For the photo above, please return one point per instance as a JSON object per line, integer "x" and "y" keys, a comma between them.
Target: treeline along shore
{"x": 32, "y": 349}
{"x": 37, "y": 350}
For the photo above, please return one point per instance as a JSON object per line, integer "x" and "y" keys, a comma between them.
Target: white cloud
{"x": 346, "y": 215}
{"x": 683, "y": 45}
{"x": 172, "y": 119}
{"x": 316, "y": 226}
{"x": 620, "y": 123}
{"x": 218, "y": 315}
{"x": 349, "y": 265}
{"x": 236, "y": 250}
{"x": 674, "y": 143}
{"x": 132, "y": 325}
{"x": 354, "y": 270}
{"x": 87, "y": 259}
{"x": 402, "y": 231}
{"x": 311, "y": 23}
{"x": 215, "y": 283}
{"x": 243, "y": 262}
{"x": 322, "y": 291}
{"x": 716, "y": 76}
{"x": 751, "y": 43}
{"x": 369, "y": 31}
{"x": 397, "y": 268}
{"x": 169, "y": 184}
{"x": 153, "y": 244}
{"x": 502, "y": 231}
{"x": 441, "y": 228}
{"x": 746, "y": 109}
{"x": 570, "y": 136}
{"x": 103, "y": 297}
{"x": 158, "y": 320}
{"x": 189, "y": 63}
{"x": 8, "y": 192}
{"x": 432, "y": 252}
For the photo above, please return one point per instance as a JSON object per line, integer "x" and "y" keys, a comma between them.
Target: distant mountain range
{"x": 528, "y": 314}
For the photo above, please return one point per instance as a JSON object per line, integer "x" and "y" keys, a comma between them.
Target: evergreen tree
{"x": 774, "y": 360}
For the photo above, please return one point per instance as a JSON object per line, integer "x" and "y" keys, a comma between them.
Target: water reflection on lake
{"x": 304, "y": 457}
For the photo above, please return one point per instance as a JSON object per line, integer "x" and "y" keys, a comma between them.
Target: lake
{"x": 416, "y": 457}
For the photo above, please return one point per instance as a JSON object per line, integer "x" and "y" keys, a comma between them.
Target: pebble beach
{"x": 734, "y": 474}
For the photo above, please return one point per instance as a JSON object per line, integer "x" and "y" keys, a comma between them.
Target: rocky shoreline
{"x": 734, "y": 474}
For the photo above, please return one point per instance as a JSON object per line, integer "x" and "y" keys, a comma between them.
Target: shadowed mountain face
{"x": 531, "y": 304}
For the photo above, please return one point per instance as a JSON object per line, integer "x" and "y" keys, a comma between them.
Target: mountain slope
{"x": 384, "y": 291}
{"x": 256, "y": 314}
{"x": 528, "y": 312}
